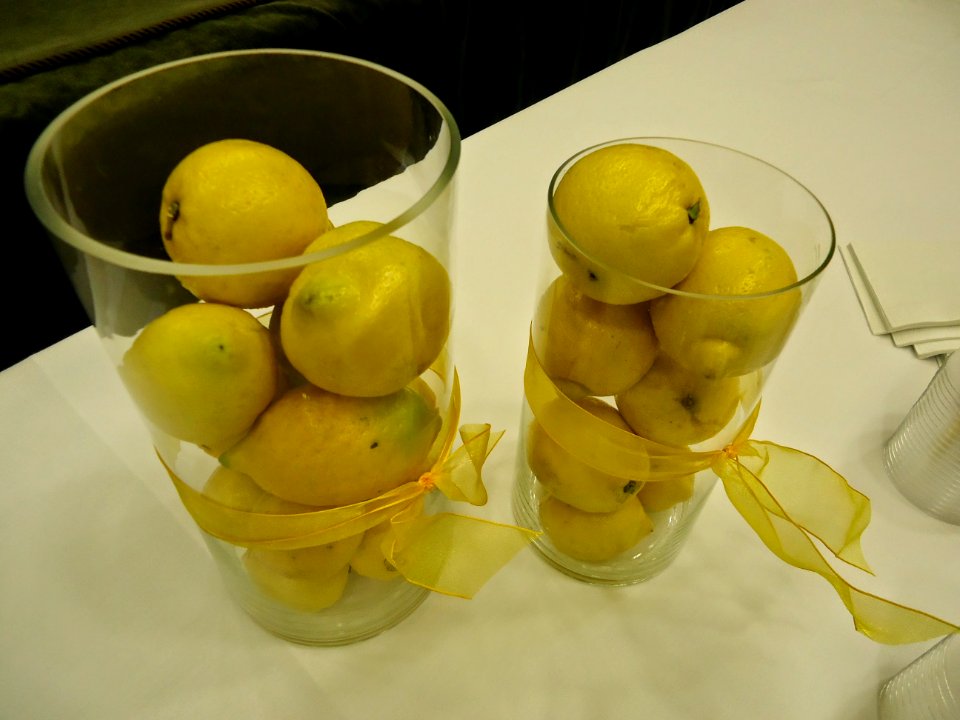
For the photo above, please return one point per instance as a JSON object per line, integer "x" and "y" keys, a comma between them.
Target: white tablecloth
{"x": 109, "y": 603}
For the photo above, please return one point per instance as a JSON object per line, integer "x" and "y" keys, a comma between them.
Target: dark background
{"x": 485, "y": 61}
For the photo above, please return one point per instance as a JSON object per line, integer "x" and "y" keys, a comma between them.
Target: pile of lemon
{"x": 630, "y": 221}
{"x": 321, "y": 406}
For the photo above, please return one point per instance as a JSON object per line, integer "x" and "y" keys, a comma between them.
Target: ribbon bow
{"x": 788, "y": 497}
{"x": 447, "y": 553}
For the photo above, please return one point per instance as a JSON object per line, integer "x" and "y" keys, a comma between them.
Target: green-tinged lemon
{"x": 368, "y": 321}
{"x": 319, "y": 448}
{"x": 202, "y": 373}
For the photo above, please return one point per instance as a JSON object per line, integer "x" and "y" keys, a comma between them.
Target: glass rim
{"x": 800, "y": 282}
{"x": 64, "y": 231}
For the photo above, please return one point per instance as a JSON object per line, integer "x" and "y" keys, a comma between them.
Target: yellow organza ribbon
{"x": 788, "y": 497}
{"x": 447, "y": 553}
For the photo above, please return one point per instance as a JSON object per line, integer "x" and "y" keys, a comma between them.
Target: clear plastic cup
{"x": 922, "y": 457}
{"x": 926, "y": 689}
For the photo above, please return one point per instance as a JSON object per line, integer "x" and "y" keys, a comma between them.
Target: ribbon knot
{"x": 427, "y": 481}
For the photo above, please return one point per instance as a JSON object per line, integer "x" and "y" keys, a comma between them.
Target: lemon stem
{"x": 693, "y": 212}
{"x": 173, "y": 212}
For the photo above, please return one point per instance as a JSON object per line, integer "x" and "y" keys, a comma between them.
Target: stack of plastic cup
{"x": 923, "y": 455}
{"x": 926, "y": 689}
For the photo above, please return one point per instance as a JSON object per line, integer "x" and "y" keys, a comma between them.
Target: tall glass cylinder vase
{"x": 295, "y": 391}
{"x": 675, "y": 273}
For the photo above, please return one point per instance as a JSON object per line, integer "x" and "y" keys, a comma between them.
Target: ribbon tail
{"x": 453, "y": 554}
{"x": 460, "y": 477}
{"x": 812, "y": 495}
{"x": 878, "y": 619}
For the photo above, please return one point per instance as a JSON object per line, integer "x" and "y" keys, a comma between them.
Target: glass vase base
{"x": 649, "y": 558}
{"x": 366, "y": 609}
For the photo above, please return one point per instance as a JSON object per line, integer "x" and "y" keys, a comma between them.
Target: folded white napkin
{"x": 910, "y": 291}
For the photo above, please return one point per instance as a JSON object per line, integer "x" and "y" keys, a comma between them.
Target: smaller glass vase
{"x": 614, "y": 468}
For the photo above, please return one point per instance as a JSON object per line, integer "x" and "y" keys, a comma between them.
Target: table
{"x": 110, "y": 606}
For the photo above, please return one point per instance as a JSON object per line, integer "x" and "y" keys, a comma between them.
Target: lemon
{"x": 236, "y": 490}
{"x": 289, "y": 375}
{"x": 202, "y": 373}
{"x": 308, "y": 579}
{"x": 664, "y": 494}
{"x": 573, "y": 481}
{"x": 297, "y": 588}
{"x": 594, "y": 537}
{"x": 601, "y": 347}
{"x": 319, "y": 562}
{"x": 674, "y": 406}
{"x": 233, "y": 489}
{"x": 238, "y": 201}
{"x": 319, "y": 448}
{"x": 370, "y": 320}
{"x": 628, "y": 212}
{"x": 369, "y": 559}
{"x": 721, "y": 337}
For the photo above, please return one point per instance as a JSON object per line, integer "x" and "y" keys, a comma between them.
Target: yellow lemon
{"x": 674, "y": 406}
{"x": 573, "y": 481}
{"x": 370, "y": 320}
{"x": 319, "y": 562}
{"x": 308, "y": 579}
{"x": 233, "y": 489}
{"x": 601, "y": 347}
{"x": 202, "y": 373}
{"x": 236, "y": 201}
{"x": 628, "y": 211}
{"x": 370, "y": 559}
{"x": 236, "y": 490}
{"x": 664, "y": 494}
{"x": 318, "y": 448}
{"x": 289, "y": 375}
{"x": 594, "y": 537}
{"x": 296, "y": 587}
{"x": 722, "y": 337}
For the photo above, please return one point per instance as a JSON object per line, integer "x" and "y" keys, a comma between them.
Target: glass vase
{"x": 384, "y": 151}
{"x": 633, "y": 381}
